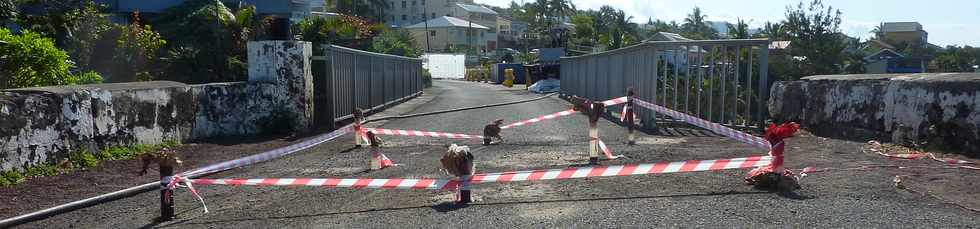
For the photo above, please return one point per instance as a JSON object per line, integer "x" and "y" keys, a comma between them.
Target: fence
{"x": 345, "y": 79}
{"x": 723, "y": 81}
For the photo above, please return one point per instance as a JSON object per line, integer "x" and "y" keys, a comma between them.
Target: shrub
{"x": 8, "y": 178}
{"x": 89, "y": 78}
{"x": 215, "y": 35}
{"x": 41, "y": 170}
{"x": 83, "y": 158}
{"x": 30, "y": 60}
{"x": 426, "y": 78}
{"x": 395, "y": 42}
{"x": 136, "y": 49}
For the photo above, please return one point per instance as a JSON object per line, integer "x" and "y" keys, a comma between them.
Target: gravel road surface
{"x": 701, "y": 199}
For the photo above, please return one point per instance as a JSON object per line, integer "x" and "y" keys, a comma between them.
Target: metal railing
{"x": 345, "y": 79}
{"x": 723, "y": 81}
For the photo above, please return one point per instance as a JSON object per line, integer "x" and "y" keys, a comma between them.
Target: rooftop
{"x": 476, "y": 8}
{"x": 665, "y": 36}
{"x": 901, "y": 27}
{"x": 447, "y": 21}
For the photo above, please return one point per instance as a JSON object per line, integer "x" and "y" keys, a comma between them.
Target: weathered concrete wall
{"x": 46, "y": 123}
{"x": 39, "y": 125}
{"x": 237, "y": 109}
{"x": 938, "y": 109}
{"x": 285, "y": 63}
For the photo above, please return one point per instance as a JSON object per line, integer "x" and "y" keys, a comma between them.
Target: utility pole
{"x": 469, "y": 33}
{"x": 425, "y": 19}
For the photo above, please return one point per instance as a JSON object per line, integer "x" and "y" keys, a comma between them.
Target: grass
{"x": 82, "y": 159}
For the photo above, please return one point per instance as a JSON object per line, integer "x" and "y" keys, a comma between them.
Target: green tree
{"x": 8, "y": 10}
{"x": 136, "y": 51}
{"x": 90, "y": 28}
{"x": 561, "y": 8}
{"x": 739, "y": 30}
{"x": 817, "y": 42}
{"x": 696, "y": 26}
{"x": 624, "y": 32}
{"x": 662, "y": 26}
{"x": 775, "y": 31}
{"x": 396, "y": 42}
{"x": 210, "y": 28}
{"x": 31, "y": 60}
{"x": 584, "y": 29}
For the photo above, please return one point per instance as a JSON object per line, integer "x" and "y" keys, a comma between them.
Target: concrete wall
{"x": 939, "y": 109}
{"x": 45, "y": 124}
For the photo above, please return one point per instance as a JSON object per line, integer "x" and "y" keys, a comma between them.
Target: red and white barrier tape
{"x": 269, "y": 155}
{"x": 380, "y": 158}
{"x": 176, "y": 181}
{"x": 715, "y": 127}
{"x": 531, "y": 175}
{"x": 610, "y": 102}
{"x": 622, "y": 170}
{"x": 606, "y": 151}
{"x": 171, "y": 183}
{"x": 422, "y": 133}
{"x": 913, "y": 155}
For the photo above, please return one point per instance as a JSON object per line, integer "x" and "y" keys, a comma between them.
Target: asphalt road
{"x": 701, "y": 199}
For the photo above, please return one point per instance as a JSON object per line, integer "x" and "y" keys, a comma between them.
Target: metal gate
{"x": 345, "y": 79}
{"x": 723, "y": 81}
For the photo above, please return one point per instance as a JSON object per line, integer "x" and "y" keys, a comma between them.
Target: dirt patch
{"x": 111, "y": 176}
{"x": 661, "y": 141}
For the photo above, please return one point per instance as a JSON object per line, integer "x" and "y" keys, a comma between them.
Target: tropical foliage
{"x": 396, "y": 42}
{"x": 32, "y": 60}
{"x": 136, "y": 51}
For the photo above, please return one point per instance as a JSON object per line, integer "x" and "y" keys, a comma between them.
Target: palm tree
{"x": 774, "y": 31}
{"x": 877, "y": 31}
{"x": 695, "y": 22}
{"x": 622, "y": 29}
{"x": 739, "y": 31}
{"x": 562, "y": 8}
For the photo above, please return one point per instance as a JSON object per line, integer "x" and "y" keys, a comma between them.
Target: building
{"x": 891, "y": 39}
{"x": 670, "y": 55}
{"x": 401, "y": 13}
{"x": 895, "y": 33}
{"x": 447, "y": 34}
{"x": 889, "y": 61}
{"x": 404, "y": 13}
{"x": 480, "y": 15}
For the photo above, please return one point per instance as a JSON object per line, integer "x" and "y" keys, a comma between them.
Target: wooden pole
{"x": 166, "y": 199}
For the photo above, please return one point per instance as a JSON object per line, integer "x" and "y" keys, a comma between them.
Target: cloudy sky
{"x": 949, "y": 22}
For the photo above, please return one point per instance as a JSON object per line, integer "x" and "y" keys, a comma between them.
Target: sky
{"x": 948, "y": 22}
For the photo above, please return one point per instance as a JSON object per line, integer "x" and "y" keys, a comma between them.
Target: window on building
{"x": 404, "y": 17}
{"x": 413, "y": 3}
{"x": 404, "y": 4}
{"x": 433, "y": 15}
{"x": 432, "y": 33}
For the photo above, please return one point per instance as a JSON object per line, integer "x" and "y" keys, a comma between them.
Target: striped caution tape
{"x": 268, "y": 155}
{"x": 610, "y": 102}
{"x": 607, "y": 152}
{"x": 715, "y": 127}
{"x": 877, "y": 148}
{"x": 422, "y": 133}
{"x": 531, "y": 175}
{"x": 541, "y": 118}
